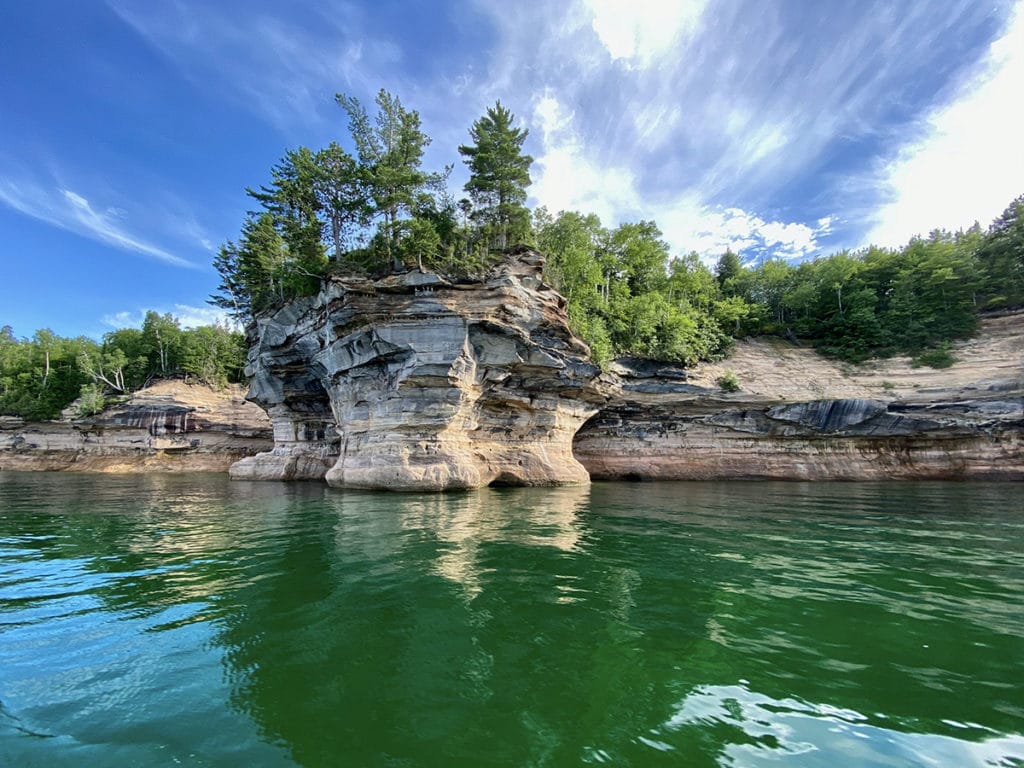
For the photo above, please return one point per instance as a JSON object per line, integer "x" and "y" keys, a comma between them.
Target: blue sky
{"x": 130, "y": 128}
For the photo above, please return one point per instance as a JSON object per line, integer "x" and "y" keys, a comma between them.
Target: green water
{"x": 152, "y": 621}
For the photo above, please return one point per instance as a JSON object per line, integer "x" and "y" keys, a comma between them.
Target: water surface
{"x": 169, "y": 620}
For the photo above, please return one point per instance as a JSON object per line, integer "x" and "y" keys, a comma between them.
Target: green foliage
{"x": 41, "y": 376}
{"x": 940, "y": 357}
{"x": 213, "y": 354}
{"x": 91, "y": 400}
{"x": 499, "y": 175}
{"x": 390, "y": 150}
{"x": 728, "y": 381}
{"x": 1001, "y": 257}
{"x": 622, "y": 299}
{"x": 876, "y": 301}
{"x": 728, "y": 270}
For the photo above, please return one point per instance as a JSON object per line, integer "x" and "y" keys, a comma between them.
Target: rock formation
{"x": 414, "y": 383}
{"x": 801, "y": 416}
{"x": 169, "y": 427}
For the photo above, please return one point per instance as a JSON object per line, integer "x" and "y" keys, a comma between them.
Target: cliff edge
{"x": 414, "y": 383}
{"x": 171, "y": 426}
{"x": 801, "y": 416}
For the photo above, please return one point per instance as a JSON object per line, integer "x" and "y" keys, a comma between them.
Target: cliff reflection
{"x": 433, "y": 630}
{"x": 465, "y": 524}
{"x": 531, "y": 626}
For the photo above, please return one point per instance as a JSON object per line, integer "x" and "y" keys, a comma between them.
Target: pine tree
{"x": 499, "y": 173}
{"x": 390, "y": 151}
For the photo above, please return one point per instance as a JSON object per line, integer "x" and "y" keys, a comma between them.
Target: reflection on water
{"x": 168, "y": 620}
{"x": 463, "y": 524}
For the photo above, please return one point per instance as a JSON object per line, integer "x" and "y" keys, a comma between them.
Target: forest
{"x": 42, "y": 375}
{"x": 326, "y": 212}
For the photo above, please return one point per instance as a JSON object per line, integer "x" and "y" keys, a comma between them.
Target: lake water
{"x": 166, "y": 621}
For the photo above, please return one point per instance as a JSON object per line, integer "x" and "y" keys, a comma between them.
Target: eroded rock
{"x": 413, "y": 383}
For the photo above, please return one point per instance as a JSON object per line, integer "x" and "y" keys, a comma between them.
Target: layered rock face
{"x": 169, "y": 427}
{"x": 413, "y": 383}
{"x": 800, "y": 416}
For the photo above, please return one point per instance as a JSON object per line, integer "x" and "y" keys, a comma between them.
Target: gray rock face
{"x": 413, "y": 383}
{"x": 653, "y": 434}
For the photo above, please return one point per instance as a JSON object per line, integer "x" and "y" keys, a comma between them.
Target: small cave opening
{"x": 506, "y": 480}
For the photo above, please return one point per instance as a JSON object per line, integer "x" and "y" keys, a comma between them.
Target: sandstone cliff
{"x": 411, "y": 382}
{"x": 801, "y": 416}
{"x": 414, "y": 383}
{"x": 168, "y": 427}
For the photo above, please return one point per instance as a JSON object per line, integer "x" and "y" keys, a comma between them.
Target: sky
{"x": 129, "y": 129}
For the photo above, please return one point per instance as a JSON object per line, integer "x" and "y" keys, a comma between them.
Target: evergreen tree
{"x": 729, "y": 268}
{"x": 390, "y": 151}
{"x": 1002, "y": 257}
{"x": 499, "y": 173}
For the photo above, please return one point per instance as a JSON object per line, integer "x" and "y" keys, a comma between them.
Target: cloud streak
{"x": 749, "y": 117}
{"x": 970, "y": 164}
{"x": 282, "y": 67}
{"x": 66, "y": 209}
{"x": 188, "y": 316}
{"x": 567, "y": 178}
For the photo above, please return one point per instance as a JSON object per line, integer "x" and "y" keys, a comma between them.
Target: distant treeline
{"x": 327, "y": 211}
{"x": 628, "y": 296}
{"x": 41, "y": 376}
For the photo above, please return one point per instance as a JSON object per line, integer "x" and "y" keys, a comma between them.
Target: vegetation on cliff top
{"x": 328, "y": 211}
{"x": 378, "y": 210}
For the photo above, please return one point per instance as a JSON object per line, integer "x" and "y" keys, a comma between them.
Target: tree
{"x": 1002, "y": 257}
{"x": 499, "y": 173}
{"x": 161, "y": 336}
{"x": 291, "y": 199}
{"x": 729, "y": 268}
{"x": 641, "y": 255}
{"x": 390, "y": 151}
{"x": 232, "y": 293}
{"x": 341, "y": 195}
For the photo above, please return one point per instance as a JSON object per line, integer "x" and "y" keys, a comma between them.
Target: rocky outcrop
{"x": 800, "y": 416}
{"x": 171, "y": 426}
{"x": 415, "y": 383}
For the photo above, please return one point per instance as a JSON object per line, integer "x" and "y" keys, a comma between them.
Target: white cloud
{"x": 970, "y": 165}
{"x": 188, "y": 317}
{"x": 67, "y": 209}
{"x": 567, "y": 177}
{"x": 639, "y": 31}
{"x": 678, "y": 109}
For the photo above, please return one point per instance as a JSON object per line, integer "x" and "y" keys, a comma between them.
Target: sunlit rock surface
{"x": 801, "y": 416}
{"x": 172, "y": 426}
{"x": 413, "y": 383}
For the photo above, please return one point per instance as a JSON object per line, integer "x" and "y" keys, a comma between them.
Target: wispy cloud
{"x": 66, "y": 209}
{"x": 568, "y": 178}
{"x": 970, "y": 164}
{"x": 285, "y": 67}
{"x": 188, "y": 316}
{"x": 705, "y": 108}
{"x": 639, "y": 31}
